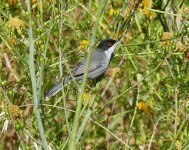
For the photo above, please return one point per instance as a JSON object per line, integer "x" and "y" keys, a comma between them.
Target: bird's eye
{"x": 109, "y": 44}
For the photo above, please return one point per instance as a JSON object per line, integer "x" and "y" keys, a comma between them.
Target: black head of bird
{"x": 106, "y": 44}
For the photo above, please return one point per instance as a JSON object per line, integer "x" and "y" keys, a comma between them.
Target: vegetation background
{"x": 140, "y": 103}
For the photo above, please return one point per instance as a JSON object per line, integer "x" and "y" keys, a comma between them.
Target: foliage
{"x": 140, "y": 103}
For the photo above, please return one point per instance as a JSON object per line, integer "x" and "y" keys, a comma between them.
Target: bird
{"x": 99, "y": 63}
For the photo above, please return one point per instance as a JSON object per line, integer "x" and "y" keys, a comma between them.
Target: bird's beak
{"x": 116, "y": 44}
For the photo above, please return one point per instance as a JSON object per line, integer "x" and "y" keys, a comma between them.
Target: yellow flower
{"x": 143, "y": 8}
{"x": 14, "y": 110}
{"x": 140, "y": 9}
{"x": 15, "y": 24}
{"x": 113, "y": 12}
{"x": 13, "y": 41}
{"x": 146, "y": 3}
{"x": 110, "y": 72}
{"x": 151, "y": 16}
{"x": 178, "y": 145}
{"x": 165, "y": 38}
{"x": 167, "y": 35}
{"x": 83, "y": 44}
{"x": 86, "y": 98}
{"x": 12, "y": 2}
{"x": 145, "y": 107}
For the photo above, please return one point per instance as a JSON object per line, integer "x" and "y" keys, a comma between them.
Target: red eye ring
{"x": 109, "y": 44}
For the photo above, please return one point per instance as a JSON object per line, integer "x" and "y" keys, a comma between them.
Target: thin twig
{"x": 60, "y": 65}
{"x": 9, "y": 66}
{"x": 154, "y": 131}
{"x": 163, "y": 12}
{"x": 130, "y": 20}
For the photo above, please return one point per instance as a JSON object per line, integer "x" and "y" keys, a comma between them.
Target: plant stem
{"x": 33, "y": 80}
{"x": 72, "y": 145}
{"x": 60, "y": 65}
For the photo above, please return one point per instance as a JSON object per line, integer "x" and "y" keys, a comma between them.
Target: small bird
{"x": 99, "y": 63}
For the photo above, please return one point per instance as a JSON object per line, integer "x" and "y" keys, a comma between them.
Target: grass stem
{"x": 74, "y": 132}
{"x": 33, "y": 80}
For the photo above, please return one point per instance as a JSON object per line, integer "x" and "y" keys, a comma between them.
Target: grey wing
{"x": 80, "y": 69}
{"x": 95, "y": 70}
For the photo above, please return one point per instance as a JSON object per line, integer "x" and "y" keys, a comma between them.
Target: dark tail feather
{"x": 55, "y": 89}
